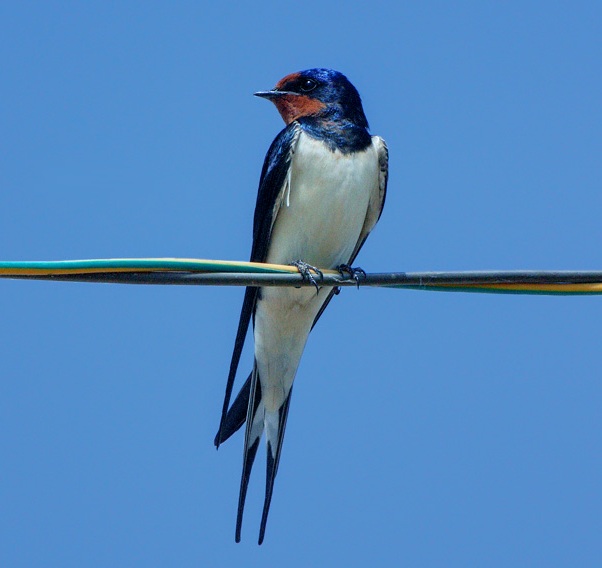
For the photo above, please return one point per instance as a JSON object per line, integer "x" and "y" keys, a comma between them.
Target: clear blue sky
{"x": 427, "y": 429}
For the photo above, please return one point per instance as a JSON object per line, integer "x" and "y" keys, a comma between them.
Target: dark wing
{"x": 273, "y": 180}
{"x": 377, "y": 199}
{"x": 274, "y": 175}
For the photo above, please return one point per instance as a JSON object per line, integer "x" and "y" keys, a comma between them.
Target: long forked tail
{"x": 257, "y": 420}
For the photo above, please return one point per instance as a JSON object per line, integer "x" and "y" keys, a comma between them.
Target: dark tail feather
{"x": 251, "y": 444}
{"x": 273, "y": 459}
{"x": 244, "y": 484}
{"x": 236, "y": 415}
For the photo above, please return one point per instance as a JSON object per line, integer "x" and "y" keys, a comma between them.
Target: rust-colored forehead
{"x": 287, "y": 79}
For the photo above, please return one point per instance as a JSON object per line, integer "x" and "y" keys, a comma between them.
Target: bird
{"x": 321, "y": 192}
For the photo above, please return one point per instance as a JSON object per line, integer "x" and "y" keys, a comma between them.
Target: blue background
{"x": 427, "y": 429}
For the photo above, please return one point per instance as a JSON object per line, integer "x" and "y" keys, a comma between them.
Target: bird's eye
{"x": 308, "y": 85}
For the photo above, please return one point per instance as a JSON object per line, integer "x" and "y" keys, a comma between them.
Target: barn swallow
{"x": 321, "y": 192}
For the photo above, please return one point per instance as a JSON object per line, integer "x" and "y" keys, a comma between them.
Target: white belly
{"x": 319, "y": 222}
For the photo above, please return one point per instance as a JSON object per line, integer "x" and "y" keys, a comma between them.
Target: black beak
{"x": 271, "y": 95}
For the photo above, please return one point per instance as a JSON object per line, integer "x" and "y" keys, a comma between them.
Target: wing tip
{"x": 233, "y": 419}
{"x": 218, "y": 436}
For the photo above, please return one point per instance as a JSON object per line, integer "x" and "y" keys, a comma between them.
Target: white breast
{"x": 323, "y": 210}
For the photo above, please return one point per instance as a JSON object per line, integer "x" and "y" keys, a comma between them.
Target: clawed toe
{"x": 306, "y": 271}
{"x": 354, "y": 272}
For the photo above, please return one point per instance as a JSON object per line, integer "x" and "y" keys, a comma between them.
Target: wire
{"x": 201, "y": 272}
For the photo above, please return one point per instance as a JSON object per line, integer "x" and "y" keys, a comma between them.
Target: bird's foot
{"x": 355, "y": 273}
{"x": 306, "y": 271}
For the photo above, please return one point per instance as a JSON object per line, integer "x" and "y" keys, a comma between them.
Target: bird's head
{"x": 321, "y": 93}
